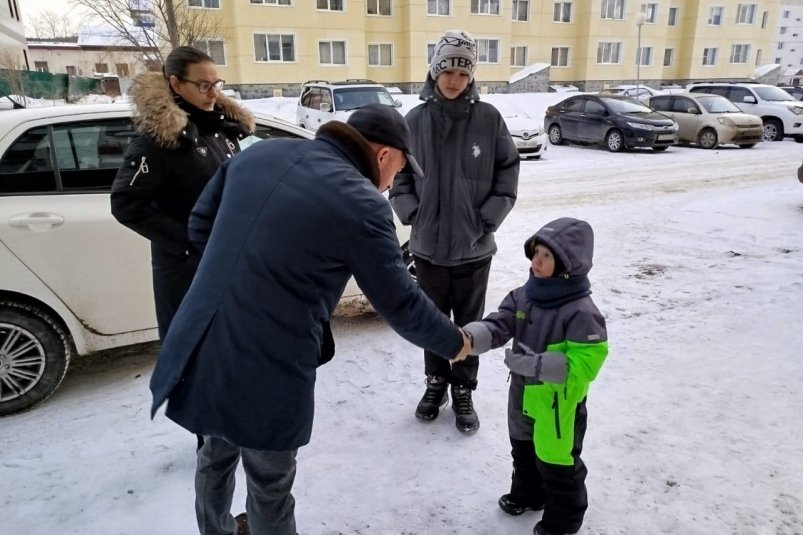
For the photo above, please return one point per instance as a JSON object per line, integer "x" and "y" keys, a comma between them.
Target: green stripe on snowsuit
{"x": 553, "y": 406}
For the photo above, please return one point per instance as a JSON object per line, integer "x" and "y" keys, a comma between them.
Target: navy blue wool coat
{"x": 283, "y": 226}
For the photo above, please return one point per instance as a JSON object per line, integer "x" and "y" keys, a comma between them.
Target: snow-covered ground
{"x": 695, "y": 422}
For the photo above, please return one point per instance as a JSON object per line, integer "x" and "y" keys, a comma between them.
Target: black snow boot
{"x": 539, "y": 529}
{"x": 466, "y": 419}
{"x": 511, "y": 506}
{"x": 434, "y": 398}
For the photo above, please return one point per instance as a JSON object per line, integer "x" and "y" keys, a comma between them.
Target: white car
{"x": 73, "y": 280}
{"x": 322, "y": 101}
{"x": 641, "y": 92}
{"x": 528, "y": 133}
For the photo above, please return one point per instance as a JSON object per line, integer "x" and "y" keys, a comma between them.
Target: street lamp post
{"x": 640, "y": 19}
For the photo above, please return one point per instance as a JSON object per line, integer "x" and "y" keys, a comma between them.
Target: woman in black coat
{"x": 185, "y": 130}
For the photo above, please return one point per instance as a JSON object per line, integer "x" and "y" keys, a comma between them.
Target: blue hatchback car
{"x": 615, "y": 121}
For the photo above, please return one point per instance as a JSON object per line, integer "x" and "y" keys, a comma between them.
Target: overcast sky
{"x": 30, "y": 9}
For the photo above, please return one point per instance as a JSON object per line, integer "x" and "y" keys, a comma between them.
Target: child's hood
{"x": 571, "y": 240}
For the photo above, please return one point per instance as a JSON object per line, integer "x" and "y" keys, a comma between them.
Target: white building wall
{"x": 789, "y": 50}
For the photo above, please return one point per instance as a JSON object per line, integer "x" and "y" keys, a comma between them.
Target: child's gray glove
{"x": 480, "y": 337}
{"x": 549, "y": 367}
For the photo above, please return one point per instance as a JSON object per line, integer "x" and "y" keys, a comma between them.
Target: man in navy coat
{"x": 282, "y": 227}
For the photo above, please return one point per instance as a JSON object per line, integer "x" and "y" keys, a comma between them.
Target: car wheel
{"x": 799, "y": 139}
{"x": 615, "y": 141}
{"x": 707, "y": 138}
{"x": 34, "y": 355}
{"x": 555, "y": 134}
{"x": 409, "y": 261}
{"x": 773, "y": 130}
{"x": 660, "y": 148}
{"x": 747, "y": 146}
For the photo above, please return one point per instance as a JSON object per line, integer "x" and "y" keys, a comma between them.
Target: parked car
{"x": 640, "y": 91}
{"x": 322, "y": 101}
{"x": 709, "y": 120}
{"x": 795, "y": 90}
{"x": 781, "y": 114}
{"x": 616, "y": 121}
{"x": 73, "y": 280}
{"x": 528, "y": 133}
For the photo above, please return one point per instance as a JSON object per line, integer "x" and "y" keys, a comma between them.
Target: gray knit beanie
{"x": 456, "y": 50}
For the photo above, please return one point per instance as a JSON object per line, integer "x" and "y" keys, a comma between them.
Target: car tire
{"x": 409, "y": 261}
{"x": 35, "y": 353}
{"x": 747, "y": 146}
{"x": 707, "y": 138}
{"x": 799, "y": 139}
{"x": 660, "y": 148}
{"x": 773, "y": 130}
{"x": 615, "y": 141}
{"x": 555, "y": 134}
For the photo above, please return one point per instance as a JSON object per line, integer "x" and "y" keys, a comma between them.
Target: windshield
{"x": 506, "y": 109}
{"x": 621, "y": 105}
{"x": 351, "y": 98}
{"x": 774, "y": 94}
{"x": 717, "y": 104}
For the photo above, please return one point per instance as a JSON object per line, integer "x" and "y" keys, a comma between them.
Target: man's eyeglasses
{"x": 204, "y": 87}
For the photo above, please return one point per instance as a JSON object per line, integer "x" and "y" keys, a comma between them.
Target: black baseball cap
{"x": 384, "y": 125}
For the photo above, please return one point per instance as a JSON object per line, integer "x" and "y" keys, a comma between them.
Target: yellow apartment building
{"x": 272, "y": 45}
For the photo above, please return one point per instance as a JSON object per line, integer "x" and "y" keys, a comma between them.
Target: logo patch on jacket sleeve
{"x": 202, "y": 151}
{"x": 521, "y": 315}
{"x": 593, "y": 337}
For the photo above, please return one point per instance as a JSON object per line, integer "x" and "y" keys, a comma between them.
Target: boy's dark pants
{"x": 561, "y": 489}
{"x": 458, "y": 292}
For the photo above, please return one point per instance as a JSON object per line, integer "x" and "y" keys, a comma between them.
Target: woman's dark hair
{"x": 182, "y": 57}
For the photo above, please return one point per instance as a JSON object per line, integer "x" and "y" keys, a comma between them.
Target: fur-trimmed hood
{"x": 157, "y": 115}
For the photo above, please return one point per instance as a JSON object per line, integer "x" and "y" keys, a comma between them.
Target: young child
{"x": 559, "y": 345}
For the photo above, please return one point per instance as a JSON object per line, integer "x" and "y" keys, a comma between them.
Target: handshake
{"x": 547, "y": 367}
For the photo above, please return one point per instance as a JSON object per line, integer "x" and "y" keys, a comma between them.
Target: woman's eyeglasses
{"x": 204, "y": 87}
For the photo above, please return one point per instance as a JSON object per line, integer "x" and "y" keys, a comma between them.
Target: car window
{"x": 717, "y": 104}
{"x": 625, "y": 105}
{"x": 594, "y": 107}
{"x": 683, "y": 104}
{"x": 661, "y": 103}
{"x": 774, "y": 94}
{"x": 350, "y": 98}
{"x": 737, "y": 94}
{"x": 27, "y": 166}
{"x": 89, "y": 153}
{"x": 574, "y": 104}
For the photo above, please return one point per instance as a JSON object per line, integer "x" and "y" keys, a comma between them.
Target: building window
{"x": 430, "y": 52}
{"x": 101, "y": 67}
{"x": 521, "y": 10}
{"x": 438, "y": 7}
{"x": 330, "y": 5}
{"x": 332, "y": 52}
{"x": 273, "y": 2}
{"x": 739, "y": 53}
{"x": 213, "y": 47}
{"x": 71, "y": 70}
{"x": 518, "y": 56}
{"x": 764, "y": 18}
{"x": 379, "y": 7}
{"x": 745, "y": 13}
{"x": 709, "y": 56}
{"x": 613, "y": 9}
{"x": 609, "y": 52}
{"x": 562, "y": 12}
{"x": 669, "y": 55}
{"x": 380, "y": 55}
{"x": 208, "y": 4}
{"x": 487, "y": 50}
{"x": 644, "y": 55}
{"x": 715, "y": 16}
{"x": 485, "y": 7}
{"x": 786, "y": 16}
{"x": 758, "y": 58}
{"x": 41, "y": 66}
{"x": 780, "y": 47}
{"x": 673, "y": 16}
{"x": 274, "y": 47}
{"x": 650, "y": 12}
{"x": 782, "y": 30}
{"x": 560, "y": 56}
{"x": 122, "y": 70}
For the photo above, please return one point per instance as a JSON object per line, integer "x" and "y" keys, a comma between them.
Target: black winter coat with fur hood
{"x": 177, "y": 150}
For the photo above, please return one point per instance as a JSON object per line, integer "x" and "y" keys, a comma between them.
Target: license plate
{"x": 527, "y": 144}
{"x": 666, "y": 137}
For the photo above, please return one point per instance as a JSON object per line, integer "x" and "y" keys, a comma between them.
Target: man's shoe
{"x": 512, "y": 507}
{"x": 539, "y": 529}
{"x": 434, "y": 398}
{"x": 466, "y": 419}
{"x": 242, "y": 524}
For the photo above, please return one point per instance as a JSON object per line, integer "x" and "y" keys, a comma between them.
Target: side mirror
{"x": 750, "y": 99}
{"x": 397, "y": 103}
{"x": 695, "y": 111}
{"x": 325, "y": 106}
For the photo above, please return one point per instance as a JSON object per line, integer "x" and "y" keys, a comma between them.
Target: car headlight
{"x": 641, "y": 126}
{"x": 797, "y": 110}
{"x": 726, "y": 121}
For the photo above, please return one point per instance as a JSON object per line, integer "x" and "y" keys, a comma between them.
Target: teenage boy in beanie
{"x": 559, "y": 345}
{"x": 471, "y": 173}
